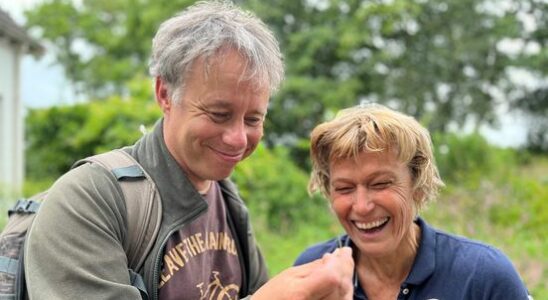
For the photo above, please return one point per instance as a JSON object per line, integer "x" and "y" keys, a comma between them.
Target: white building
{"x": 14, "y": 43}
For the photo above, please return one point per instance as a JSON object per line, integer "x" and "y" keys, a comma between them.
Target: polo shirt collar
{"x": 425, "y": 261}
{"x": 423, "y": 266}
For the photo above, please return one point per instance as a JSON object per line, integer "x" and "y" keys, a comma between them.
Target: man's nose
{"x": 235, "y": 135}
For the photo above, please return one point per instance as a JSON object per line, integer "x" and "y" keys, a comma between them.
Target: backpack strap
{"x": 24, "y": 206}
{"x": 142, "y": 200}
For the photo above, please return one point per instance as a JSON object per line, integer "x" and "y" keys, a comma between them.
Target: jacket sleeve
{"x": 74, "y": 249}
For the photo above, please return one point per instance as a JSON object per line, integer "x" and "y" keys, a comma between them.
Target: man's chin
{"x": 221, "y": 174}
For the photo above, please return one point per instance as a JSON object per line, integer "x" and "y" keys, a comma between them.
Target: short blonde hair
{"x": 375, "y": 128}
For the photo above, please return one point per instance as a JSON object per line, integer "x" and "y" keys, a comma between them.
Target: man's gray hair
{"x": 202, "y": 31}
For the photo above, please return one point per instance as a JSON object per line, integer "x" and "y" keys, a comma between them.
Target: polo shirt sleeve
{"x": 498, "y": 278}
{"x": 314, "y": 252}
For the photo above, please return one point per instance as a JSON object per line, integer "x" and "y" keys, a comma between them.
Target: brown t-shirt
{"x": 201, "y": 260}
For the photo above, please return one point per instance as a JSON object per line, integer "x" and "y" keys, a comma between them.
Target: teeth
{"x": 365, "y": 226}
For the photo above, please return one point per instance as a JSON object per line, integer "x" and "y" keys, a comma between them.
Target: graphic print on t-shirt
{"x": 201, "y": 259}
{"x": 216, "y": 290}
{"x": 183, "y": 252}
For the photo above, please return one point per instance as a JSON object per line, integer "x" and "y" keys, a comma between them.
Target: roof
{"x": 17, "y": 34}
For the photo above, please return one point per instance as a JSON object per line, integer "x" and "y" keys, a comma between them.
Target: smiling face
{"x": 372, "y": 197}
{"x": 218, "y": 121}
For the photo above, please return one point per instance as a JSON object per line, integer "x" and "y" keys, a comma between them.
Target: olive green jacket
{"x": 74, "y": 249}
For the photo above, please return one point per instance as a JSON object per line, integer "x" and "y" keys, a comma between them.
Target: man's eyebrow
{"x": 221, "y": 103}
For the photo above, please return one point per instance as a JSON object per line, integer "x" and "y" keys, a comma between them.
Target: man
{"x": 215, "y": 68}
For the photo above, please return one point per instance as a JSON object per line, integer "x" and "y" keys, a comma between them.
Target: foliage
{"x": 469, "y": 157}
{"x": 58, "y": 136}
{"x": 101, "y": 44}
{"x": 276, "y": 189}
{"x": 536, "y": 104}
{"x": 534, "y": 52}
{"x": 438, "y": 60}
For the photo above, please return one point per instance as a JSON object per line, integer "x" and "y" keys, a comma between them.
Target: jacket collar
{"x": 176, "y": 190}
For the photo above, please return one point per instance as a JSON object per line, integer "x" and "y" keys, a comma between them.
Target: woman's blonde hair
{"x": 375, "y": 128}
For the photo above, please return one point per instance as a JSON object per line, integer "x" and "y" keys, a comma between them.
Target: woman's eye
{"x": 343, "y": 190}
{"x": 382, "y": 184}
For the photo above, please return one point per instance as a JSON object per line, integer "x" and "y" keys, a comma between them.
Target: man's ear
{"x": 162, "y": 95}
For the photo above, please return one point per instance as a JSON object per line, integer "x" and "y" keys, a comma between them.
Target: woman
{"x": 377, "y": 168}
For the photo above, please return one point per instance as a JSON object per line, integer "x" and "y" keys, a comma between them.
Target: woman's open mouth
{"x": 372, "y": 227}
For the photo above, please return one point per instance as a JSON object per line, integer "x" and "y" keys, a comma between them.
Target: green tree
{"x": 101, "y": 43}
{"x": 534, "y": 57}
{"x": 439, "y": 60}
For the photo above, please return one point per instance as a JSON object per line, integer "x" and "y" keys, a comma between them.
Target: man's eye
{"x": 219, "y": 116}
{"x": 253, "y": 121}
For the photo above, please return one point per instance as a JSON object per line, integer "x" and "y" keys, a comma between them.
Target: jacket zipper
{"x": 158, "y": 258}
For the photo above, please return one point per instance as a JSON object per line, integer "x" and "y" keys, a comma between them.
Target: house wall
{"x": 11, "y": 122}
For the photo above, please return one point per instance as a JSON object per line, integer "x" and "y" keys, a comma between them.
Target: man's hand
{"x": 328, "y": 278}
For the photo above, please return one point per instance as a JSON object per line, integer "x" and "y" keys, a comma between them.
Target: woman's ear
{"x": 162, "y": 95}
{"x": 418, "y": 199}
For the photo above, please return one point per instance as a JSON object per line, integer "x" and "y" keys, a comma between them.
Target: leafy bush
{"x": 470, "y": 158}
{"x": 58, "y": 136}
{"x": 275, "y": 189}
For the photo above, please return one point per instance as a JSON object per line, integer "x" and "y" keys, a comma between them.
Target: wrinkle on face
{"x": 383, "y": 181}
{"x": 207, "y": 131}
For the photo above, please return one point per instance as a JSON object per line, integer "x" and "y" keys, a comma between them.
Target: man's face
{"x": 218, "y": 121}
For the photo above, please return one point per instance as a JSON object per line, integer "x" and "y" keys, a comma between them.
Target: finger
{"x": 333, "y": 278}
{"x": 343, "y": 252}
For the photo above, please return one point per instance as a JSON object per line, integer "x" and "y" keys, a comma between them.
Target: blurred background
{"x": 74, "y": 82}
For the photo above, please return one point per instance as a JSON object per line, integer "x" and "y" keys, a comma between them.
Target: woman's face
{"x": 372, "y": 197}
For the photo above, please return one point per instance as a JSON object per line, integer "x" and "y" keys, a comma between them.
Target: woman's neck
{"x": 393, "y": 268}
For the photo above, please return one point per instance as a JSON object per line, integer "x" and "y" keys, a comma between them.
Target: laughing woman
{"x": 376, "y": 167}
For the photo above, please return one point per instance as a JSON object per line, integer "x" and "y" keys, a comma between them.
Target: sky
{"x": 43, "y": 84}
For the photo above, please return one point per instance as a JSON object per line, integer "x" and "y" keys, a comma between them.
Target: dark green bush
{"x": 58, "y": 136}
{"x": 470, "y": 158}
{"x": 275, "y": 189}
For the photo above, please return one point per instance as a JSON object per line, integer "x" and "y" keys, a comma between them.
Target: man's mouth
{"x": 231, "y": 157}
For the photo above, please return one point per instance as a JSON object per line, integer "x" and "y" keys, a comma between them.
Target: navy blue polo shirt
{"x": 446, "y": 267}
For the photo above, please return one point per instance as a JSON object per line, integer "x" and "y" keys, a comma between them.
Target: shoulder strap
{"x": 144, "y": 208}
